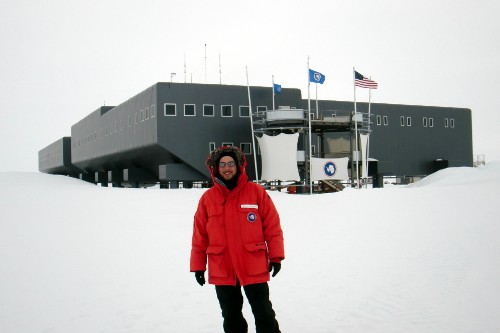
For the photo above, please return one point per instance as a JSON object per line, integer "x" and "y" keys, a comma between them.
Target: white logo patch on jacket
{"x": 252, "y": 206}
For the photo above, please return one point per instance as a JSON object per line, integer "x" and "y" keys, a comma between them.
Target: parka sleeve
{"x": 273, "y": 234}
{"x": 199, "y": 243}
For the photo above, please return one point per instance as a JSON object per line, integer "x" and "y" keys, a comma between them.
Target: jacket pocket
{"x": 256, "y": 261}
{"x": 216, "y": 261}
{"x": 215, "y": 223}
{"x": 214, "y": 210}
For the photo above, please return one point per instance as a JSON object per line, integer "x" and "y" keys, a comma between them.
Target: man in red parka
{"x": 237, "y": 227}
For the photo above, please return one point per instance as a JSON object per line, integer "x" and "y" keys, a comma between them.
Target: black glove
{"x": 276, "y": 266}
{"x": 200, "y": 277}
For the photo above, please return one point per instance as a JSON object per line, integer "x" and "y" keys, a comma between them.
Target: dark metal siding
{"x": 414, "y": 149}
{"x": 136, "y": 134}
{"x": 116, "y": 137}
{"x": 56, "y": 158}
{"x": 188, "y": 137}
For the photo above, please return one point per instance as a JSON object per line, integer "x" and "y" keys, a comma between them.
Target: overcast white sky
{"x": 62, "y": 59}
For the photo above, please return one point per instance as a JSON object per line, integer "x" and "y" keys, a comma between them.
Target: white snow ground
{"x": 75, "y": 257}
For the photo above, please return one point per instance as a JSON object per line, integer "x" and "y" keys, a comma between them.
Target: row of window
{"x": 379, "y": 120}
{"x": 426, "y": 121}
{"x": 138, "y": 117}
{"x": 142, "y": 115}
{"x": 170, "y": 110}
{"x": 449, "y": 122}
{"x": 245, "y": 147}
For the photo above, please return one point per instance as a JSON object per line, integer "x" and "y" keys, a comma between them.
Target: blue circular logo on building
{"x": 329, "y": 169}
{"x": 251, "y": 217}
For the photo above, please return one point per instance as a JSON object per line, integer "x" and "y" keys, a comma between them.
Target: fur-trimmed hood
{"x": 216, "y": 155}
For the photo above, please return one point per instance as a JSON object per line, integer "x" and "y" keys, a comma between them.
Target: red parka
{"x": 239, "y": 231}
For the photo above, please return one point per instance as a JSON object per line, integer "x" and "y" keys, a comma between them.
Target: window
{"x": 208, "y": 110}
{"x": 386, "y": 121}
{"x": 424, "y": 121}
{"x": 169, "y": 109}
{"x": 189, "y": 110}
{"x": 227, "y": 143}
{"x": 408, "y": 121}
{"x": 147, "y": 113}
{"x": 211, "y": 147}
{"x": 445, "y": 122}
{"x": 452, "y": 123}
{"x": 226, "y": 110}
{"x": 244, "y": 111}
{"x": 402, "y": 120}
{"x": 313, "y": 150}
{"x": 379, "y": 120}
{"x": 431, "y": 122}
{"x": 261, "y": 108}
{"x": 152, "y": 111}
{"x": 129, "y": 123}
{"x": 246, "y": 148}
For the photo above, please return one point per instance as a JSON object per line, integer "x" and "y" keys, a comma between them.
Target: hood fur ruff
{"x": 215, "y": 155}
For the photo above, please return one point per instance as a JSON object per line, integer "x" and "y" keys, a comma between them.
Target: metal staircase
{"x": 331, "y": 186}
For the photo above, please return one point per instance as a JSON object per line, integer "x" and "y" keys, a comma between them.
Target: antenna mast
{"x": 220, "y": 71}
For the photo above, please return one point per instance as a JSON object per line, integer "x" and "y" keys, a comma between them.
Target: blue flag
{"x": 277, "y": 88}
{"x": 316, "y": 77}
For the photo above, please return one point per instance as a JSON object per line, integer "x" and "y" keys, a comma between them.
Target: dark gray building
{"x": 414, "y": 140}
{"x": 165, "y": 133}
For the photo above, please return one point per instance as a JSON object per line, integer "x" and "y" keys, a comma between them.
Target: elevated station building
{"x": 164, "y": 134}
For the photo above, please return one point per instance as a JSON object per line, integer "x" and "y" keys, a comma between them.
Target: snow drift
{"x": 75, "y": 257}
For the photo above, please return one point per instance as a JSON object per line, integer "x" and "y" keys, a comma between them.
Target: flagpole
{"x": 356, "y": 128}
{"x": 317, "y": 108}
{"x": 369, "y": 133}
{"x": 251, "y": 125}
{"x": 273, "y": 94}
{"x": 309, "y": 125}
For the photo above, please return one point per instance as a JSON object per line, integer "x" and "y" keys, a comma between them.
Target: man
{"x": 238, "y": 228}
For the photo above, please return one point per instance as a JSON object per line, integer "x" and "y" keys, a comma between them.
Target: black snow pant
{"x": 231, "y": 303}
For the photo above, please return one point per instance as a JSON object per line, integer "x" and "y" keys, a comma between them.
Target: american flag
{"x": 363, "y": 82}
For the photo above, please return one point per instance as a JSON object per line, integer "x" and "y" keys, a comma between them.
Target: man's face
{"x": 225, "y": 171}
